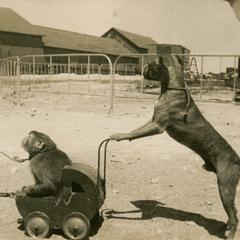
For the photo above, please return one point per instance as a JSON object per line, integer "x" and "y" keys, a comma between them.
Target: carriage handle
{"x": 105, "y": 143}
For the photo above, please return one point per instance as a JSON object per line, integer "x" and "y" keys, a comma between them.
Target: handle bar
{"x": 105, "y": 143}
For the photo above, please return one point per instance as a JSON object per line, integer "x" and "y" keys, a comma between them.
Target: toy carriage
{"x": 83, "y": 195}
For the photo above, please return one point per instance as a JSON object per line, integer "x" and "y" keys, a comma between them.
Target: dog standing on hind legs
{"x": 176, "y": 113}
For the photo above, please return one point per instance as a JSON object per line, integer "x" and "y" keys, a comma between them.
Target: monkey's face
{"x": 37, "y": 142}
{"x": 32, "y": 144}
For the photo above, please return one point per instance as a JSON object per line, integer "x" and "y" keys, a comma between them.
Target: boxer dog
{"x": 176, "y": 113}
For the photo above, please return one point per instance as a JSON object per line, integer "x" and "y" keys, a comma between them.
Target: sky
{"x": 203, "y": 26}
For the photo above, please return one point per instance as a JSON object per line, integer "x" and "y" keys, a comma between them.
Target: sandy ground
{"x": 155, "y": 186}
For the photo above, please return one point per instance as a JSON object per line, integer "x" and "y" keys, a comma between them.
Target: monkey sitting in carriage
{"x": 46, "y": 164}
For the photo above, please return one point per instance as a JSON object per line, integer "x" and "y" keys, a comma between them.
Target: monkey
{"x": 46, "y": 164}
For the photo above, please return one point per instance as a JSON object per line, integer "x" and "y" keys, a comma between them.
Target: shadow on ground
{"x": 151, "y": 209}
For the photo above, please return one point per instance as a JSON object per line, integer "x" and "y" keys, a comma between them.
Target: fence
{"x": 213, "y": 76}
{"x": 65, "y": 67}
{"x": 59, "y": 73}
{"x": 209, "y": 77}
{"x": 9, "y": 75}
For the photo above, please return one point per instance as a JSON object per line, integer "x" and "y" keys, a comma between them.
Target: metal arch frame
{"x": 89, "y": 55}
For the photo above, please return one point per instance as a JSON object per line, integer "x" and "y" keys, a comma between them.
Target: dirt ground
{"x": 155, "y": 186}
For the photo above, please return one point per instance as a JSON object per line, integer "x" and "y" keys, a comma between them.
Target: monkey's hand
{"x": 17, "y": 159}
{"x": 28, "y": 189}
{"x": 20, "y": 194}
{"x": 120, "y": 136}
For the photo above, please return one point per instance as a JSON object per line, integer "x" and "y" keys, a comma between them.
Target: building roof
{"x": 58, "y": 38}
{"x": 139, "y": 40}
{"x": 10, "y": 21}
{"x": 170, "y": 45}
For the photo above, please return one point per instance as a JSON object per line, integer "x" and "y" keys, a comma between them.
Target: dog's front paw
{"x": 120, "y": 136}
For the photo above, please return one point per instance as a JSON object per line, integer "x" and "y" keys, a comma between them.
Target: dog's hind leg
{"x": 227, "y": 184}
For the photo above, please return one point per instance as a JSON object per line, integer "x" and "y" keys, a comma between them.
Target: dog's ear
{"x": 165, "y": 60}
{"x": 161, "y": 61}
{"x": 180, "y": 59}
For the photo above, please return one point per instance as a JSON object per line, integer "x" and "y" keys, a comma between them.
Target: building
{"x": 135, "y": 43}
{"x": 167, "y": 49}
{"x": 170, "y": 49}
{"x": 18, "y": 37}
{"x": 61, "y": 41}
{"x": 57, "y": 41}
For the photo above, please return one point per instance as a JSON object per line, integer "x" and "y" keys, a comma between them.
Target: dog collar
{"x": 188, "y": 100}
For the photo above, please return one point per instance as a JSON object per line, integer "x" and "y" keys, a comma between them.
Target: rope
{"x": 7, "y": 156}
{"x": 6, "y": 194}
{"x": 13, "y": 159}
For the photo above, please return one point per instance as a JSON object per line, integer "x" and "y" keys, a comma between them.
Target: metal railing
{"x": 218, "y": 75}
{"x": 32, "y": 70}
{"x": 208, "y": 80}
{"x": 10, "y": 75}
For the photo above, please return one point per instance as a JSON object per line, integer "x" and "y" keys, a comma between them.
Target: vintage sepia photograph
{"x": 119, "y": 119}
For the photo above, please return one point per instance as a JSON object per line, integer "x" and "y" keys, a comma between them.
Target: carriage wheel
{"x": 37, "y": 224}
{"x": 76, "y": 226}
